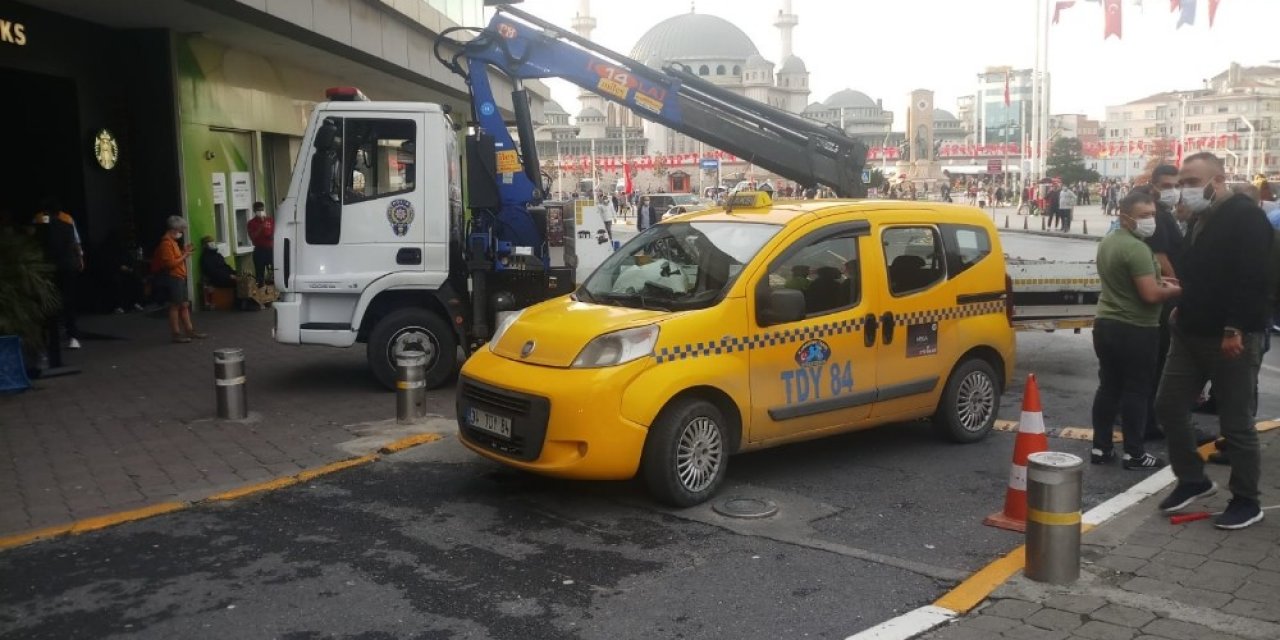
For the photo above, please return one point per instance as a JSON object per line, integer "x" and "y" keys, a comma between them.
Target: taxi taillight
{"x": 345, "y": 94}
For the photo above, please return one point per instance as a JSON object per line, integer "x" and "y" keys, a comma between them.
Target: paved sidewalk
{"x": 1146, "y": 578}
{"x": 136, "y": 427}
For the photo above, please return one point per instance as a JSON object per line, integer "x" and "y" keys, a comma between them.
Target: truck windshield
{"x": 676, "y": 266}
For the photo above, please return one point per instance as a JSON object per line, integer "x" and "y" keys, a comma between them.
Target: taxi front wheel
{"x": 685, "y": 455}
{"x": 968, "y": 406}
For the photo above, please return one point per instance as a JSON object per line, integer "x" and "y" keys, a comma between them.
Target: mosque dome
{"x": 849, "y": 99}
{"x": 694, "y": 36}
{"x": 942, "y": 115}
{"x": 793, "y": 64}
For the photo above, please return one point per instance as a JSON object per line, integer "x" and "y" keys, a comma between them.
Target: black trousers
{"x": 262, "y": 258}
{"x": 66, "y": 281}
{"x": 1126, "y": 366}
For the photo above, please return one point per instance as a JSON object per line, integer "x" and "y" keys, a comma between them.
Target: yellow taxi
{"x": 747, "y": 327}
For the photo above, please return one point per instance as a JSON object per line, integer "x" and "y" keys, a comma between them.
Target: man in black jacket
{"x": 1217, "y": 332}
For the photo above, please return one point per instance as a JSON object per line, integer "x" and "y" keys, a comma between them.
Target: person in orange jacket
{"x": 171, "y": 260}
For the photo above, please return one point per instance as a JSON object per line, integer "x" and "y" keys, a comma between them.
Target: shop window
{"x": 381, "y": 158}
{"x": 914, "y": 259}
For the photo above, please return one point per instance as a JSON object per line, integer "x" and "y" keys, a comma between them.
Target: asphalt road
{"x": 437, "y": 543}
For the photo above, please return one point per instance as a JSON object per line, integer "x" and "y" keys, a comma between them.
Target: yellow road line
{"x": 411, "y": 441}
{"x": 978, "y": 586}
{"x": 970, "y": 593}
{"x": 112, "y": 519}
{"x": 250, "y": 489}
{"x": 332, "y": 467}
{"x": 31, "y": 536}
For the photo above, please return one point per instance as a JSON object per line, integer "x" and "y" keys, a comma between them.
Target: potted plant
{"x": 28, "y": 295}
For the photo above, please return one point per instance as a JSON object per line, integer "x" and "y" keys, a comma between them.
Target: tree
{"x": 877, "y": 179}
{"x": 1066, "y": 161}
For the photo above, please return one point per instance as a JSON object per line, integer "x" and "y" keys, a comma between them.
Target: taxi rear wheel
{"x": 968, "y": 407}
{"x": 686, "y": 454}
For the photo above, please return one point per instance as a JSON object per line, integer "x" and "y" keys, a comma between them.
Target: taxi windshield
{"x": 676, "y": 266}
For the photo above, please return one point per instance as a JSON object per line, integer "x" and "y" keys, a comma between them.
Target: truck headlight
{"x": 505, "y": 320}
{"x": 617, "y": 347}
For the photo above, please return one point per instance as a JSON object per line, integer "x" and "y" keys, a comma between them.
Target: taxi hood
{"x": 560, "y": 328}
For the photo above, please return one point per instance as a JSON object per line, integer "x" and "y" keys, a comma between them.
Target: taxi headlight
{"x": 617, "y": 347}
{"x": 505, "y": 320}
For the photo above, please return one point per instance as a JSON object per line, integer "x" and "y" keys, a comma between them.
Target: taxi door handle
{"x": 869, "y": 327}
{"x": 887, "y": 324}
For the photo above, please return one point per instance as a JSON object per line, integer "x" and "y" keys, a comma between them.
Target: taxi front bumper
{"x": 564, "y": 423}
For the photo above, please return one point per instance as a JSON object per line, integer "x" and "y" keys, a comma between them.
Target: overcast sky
{"x": 886, "y": 48}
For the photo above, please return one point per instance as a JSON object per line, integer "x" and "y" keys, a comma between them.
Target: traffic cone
{"x": 1031, "y": 439}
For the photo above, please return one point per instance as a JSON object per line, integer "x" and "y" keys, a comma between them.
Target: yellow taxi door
{"x": 812, "y": 370}
{"x": 917, "y": 327}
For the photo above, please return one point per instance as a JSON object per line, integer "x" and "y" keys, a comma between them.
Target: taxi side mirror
{"x": 780, "y": 306}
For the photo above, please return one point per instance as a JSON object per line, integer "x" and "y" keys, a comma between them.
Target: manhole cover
{"x": 745, "y": 508}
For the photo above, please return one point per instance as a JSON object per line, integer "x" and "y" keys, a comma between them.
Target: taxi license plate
{"x": 485, "y": 421}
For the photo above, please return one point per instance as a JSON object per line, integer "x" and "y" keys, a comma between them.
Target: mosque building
{"x": 665, "y": 160}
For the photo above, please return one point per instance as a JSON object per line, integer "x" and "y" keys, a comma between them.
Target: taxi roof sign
{"x": 748, "y": 200}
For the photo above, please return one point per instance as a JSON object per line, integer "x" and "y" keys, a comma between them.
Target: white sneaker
{"x": 138, "y": 307}
{"x": 117, "y": 311}
{"x": 72, "y": 343}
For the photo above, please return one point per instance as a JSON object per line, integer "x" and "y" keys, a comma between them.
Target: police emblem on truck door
{"x": 400, "y": 215}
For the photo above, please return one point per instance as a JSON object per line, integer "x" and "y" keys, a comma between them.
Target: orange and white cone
{"x": 1031, "y": 439}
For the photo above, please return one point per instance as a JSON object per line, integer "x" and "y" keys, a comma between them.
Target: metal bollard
{"x": 1053, "y": 517}
{"x": 228, "y": 384}
{"x": 411, "y": 387}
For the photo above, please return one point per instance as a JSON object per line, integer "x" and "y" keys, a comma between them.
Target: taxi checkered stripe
{"x": 950, "y": 313}
{"x": 736, "y": 344}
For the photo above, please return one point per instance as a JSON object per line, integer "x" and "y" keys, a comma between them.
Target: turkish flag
{"x": 1059, "y": 6}
{"x": 1174, "y": 4}
{"x": 1113, "y": 11}
{"x": 1213, "y": 11}
{"x": 626, "y": 178}
{"x": 1006, "y": 86}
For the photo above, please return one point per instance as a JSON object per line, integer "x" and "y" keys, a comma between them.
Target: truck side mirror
{"x": 779, "y": 306}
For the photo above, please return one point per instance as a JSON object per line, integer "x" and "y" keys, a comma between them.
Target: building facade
{"x": 1236, "y": 115}
{"x": 138, "y": 111}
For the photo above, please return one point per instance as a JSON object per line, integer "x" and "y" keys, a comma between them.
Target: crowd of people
{"x": 1190, "y": 286}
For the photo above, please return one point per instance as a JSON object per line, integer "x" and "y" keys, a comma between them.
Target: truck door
{"x": 917, "y": 323}
{"x": 360, "y": 213}
{"x": 817, "y": 372}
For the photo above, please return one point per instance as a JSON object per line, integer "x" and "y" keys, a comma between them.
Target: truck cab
{"x": 363, "y": 239}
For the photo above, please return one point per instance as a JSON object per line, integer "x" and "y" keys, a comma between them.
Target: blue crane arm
{"x": 522, "y": 46}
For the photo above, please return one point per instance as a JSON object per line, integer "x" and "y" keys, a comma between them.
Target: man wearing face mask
{"x": 262, "y": 230}
{"x": 1126, "y": 332}
{"x": 1166, "y": 244}
{"x": 1217, "y": 336}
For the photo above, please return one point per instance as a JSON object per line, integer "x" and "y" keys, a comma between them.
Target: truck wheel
{"x": 407, "y": 330}
{"x": 686, "y": 453}
{"x": 968, "y": 406}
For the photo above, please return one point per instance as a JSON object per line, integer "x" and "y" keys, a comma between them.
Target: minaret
{"x": 785, "y": 22}
{"x": 583, "y": 24}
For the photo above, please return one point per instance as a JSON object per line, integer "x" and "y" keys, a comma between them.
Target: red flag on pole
{"x": 1006, "y": 87}
{"x": 1059, "y": 6}
{"x": 1174, "y": 4}
{"x": 626, "y": 178}
{"x": 1113, "y": 26}
{"x": 1213, "y": 11}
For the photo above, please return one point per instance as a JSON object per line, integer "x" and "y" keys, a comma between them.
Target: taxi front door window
{"x": 826, "y": 272}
